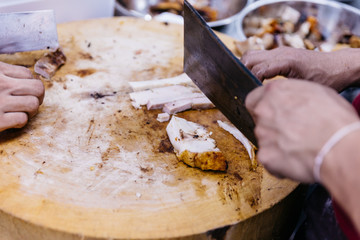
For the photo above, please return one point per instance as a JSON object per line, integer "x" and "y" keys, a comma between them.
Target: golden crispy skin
{"x": 205, "y": 161}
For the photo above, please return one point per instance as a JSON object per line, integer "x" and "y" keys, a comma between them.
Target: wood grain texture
{"x": 90, "y": 166}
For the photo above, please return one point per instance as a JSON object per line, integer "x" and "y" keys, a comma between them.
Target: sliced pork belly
{"x": 159, "y": 102}
{"x": 240, "y": 136}
{"x": 201, "y": 103}
{"x": 177, "y": 106}
{"x": 181, "y": 79}
{"x": 174, "y": 95}
{"x": 194, "y": 146}
{"x": 171, "y": 92}
{"x": 50, "y": 63}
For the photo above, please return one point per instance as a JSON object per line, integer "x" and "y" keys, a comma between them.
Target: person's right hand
{"x": 20, "y": 96}
{"x": 338, "y": 69}
{"x": 293, "y": 121}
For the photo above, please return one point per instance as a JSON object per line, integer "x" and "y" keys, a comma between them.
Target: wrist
{"x": 342, "y": 163}
{"x": 335, "y": 139}
{"x": 340, "y": 173}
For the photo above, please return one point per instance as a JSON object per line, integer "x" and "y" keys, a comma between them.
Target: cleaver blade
{"x": 217, "y": 72}
{"x": 28, "y": 31}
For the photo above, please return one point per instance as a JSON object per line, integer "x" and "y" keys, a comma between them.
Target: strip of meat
{"x": 50, "y": 63}
{"x": 159, "y": 102}
{"x": 181, "y": 79}
{"x": 142, "y": 97}
{"x": 170, "y": 98}
{"x": 186, "y": 104}
{"x": 194, "y": 146}
{"x": 177, "y": 106}
{"x": 201, "y": 103}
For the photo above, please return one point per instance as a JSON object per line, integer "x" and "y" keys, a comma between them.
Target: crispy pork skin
{"x": 194, "y": 146}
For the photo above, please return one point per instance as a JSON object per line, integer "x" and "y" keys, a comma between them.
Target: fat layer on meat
{"x": 177, "y": 106}
{"x": 159, "y": 103}
{"x": 194, "y": 146}
{"x": 171, "y": 92}
{"x": 172, "y": 95}
{"x": 201, "y": 103}
{"x": 181, "y": 79}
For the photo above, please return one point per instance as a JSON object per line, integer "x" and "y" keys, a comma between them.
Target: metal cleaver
{"x": 217, "y": 72}
{"x": 28, "y": 31}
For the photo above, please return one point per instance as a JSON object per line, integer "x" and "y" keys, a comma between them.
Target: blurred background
{"x": 317, "y": 213}
{"x": 72, "y": 10}
{"x": 65, "y": 10}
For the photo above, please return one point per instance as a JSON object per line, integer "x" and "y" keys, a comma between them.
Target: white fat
{"x": 201, "y": 103}
{"x": 159, "y": 102}
{"x": 164, "y": 82}
{"x": 163, "y": 117}
{"x": 143, "y": 97}
{"x": 186, "y": 135}
{"x": 239, "y": 136}
{"x": 177, "y": 106}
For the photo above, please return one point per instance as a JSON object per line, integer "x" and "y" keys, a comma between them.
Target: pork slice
{"x": 159, "y": 102}
{"x": 194, "y": 146}
{"x": 142, "y": 97}
{"x": 202, "y": 103}
{"x": 163, "y": 117}
{"x": 47, "y": 65}
{"x": 177, "y": 106}
{"x": 181, "y": 79}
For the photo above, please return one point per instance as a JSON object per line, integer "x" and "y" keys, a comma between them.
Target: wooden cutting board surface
{"x": 97, "y": 167}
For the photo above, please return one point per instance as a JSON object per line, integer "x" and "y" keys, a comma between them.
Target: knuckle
{"x": 40, "y": 88}
{"x": 274, "y": 86}
{"x": 33, "y": 103}
{"x": 27, "y": 72}
{"x": 21, "y": 120}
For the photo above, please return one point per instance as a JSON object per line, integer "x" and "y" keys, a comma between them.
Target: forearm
{"x": 340, "y": 175}
{"x": 344, "y": 66}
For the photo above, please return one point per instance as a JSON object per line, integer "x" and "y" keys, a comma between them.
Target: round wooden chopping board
{"x": 89, "y": 165}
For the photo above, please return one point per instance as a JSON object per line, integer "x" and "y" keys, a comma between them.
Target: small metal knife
{"x": 217, "y": 72}
{"x": 28, "y": 31}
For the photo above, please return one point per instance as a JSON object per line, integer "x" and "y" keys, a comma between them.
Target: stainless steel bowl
{"x": 226, "y": 9}
{"x": 332, "y": 16}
